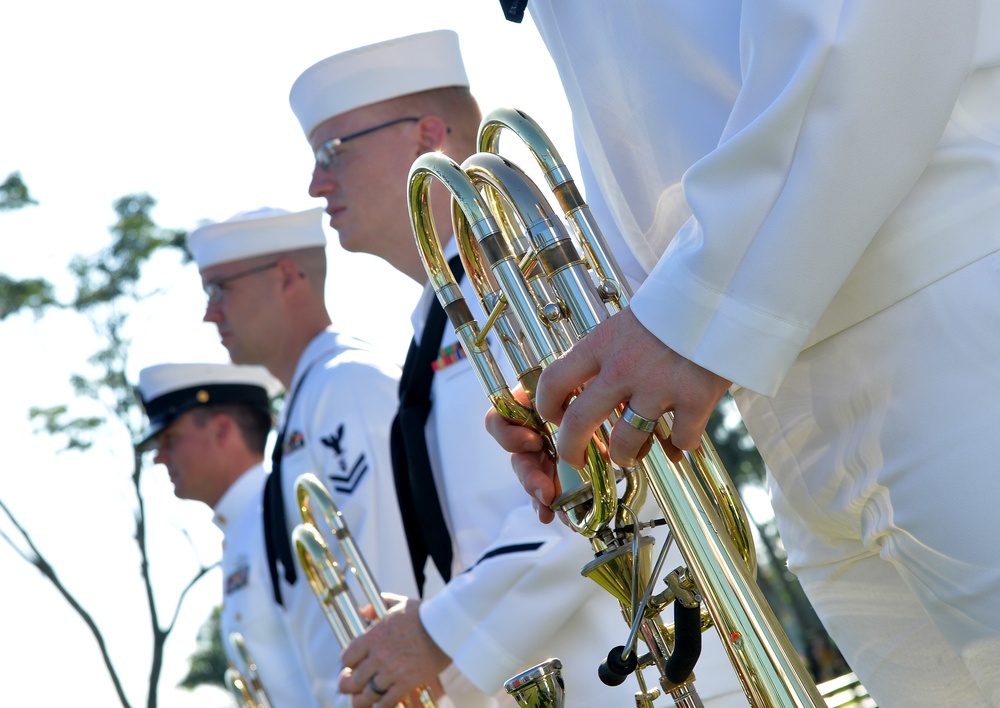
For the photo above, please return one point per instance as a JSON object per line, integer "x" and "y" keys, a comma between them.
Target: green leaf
{"x": 14, "y": 193}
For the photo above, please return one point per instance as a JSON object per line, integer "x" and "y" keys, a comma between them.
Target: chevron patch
{"x": 348, "y": 481}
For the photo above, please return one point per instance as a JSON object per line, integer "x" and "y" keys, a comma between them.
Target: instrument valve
{"x": 552, "y": 312}
{"x": 608, "y": 290}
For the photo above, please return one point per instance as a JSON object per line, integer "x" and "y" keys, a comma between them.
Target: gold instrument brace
{"x": 542, "y": 292}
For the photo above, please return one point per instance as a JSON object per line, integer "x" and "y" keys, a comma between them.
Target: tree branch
{"x": 39, "y": 561}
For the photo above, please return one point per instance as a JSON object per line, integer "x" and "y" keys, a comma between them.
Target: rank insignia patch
{"x": 349, "y": 469}
{"x": 238, "y": 578}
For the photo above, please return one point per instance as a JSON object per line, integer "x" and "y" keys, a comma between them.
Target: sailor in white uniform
{"x": 208, "y": 424}
{"x": 814, "y": 188}
{"x": 513, "y": 595}
{"x": 264, "y": 272}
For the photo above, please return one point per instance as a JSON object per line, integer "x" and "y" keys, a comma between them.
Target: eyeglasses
{"x": 215, "y": 289}
{"x": 326, "y": 155}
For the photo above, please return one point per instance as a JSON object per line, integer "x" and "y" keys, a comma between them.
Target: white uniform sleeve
{"x": 841, "y": 106}
{"x": 516, "y": 583}
{"x": 629, "y": 264}
{"x": 505, "y": 608}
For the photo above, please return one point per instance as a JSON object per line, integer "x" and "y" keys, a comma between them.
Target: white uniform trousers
{"x": 884, "y": 460}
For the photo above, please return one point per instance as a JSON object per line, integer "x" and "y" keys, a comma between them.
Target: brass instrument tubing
{"x": 328, "y": 582}
{"x": 695, "y": 494}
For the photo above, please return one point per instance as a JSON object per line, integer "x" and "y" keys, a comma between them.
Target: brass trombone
{"x": 542, "y": 290}
{"x": 242, "y": 677}
{"x": 326, "y": 578}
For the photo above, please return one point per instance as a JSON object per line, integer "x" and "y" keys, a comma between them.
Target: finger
{"x": 563, "y": 377}
{"x": 544, "y": 513}
{"x": 536, "y": 473}
{"x": 510, "y": 436}
{"x": 373, "y": 691}
{"x": 644, "y": 450}
{"x": 365, "y": 699}
{"x": 355, "y": 653}
{"x": 689, "y": 426}
{"x": 391, "y": 698}
{"x": 628, "y": 444}
{"x": 348, "y": 682}
{"x": 671, "y": 450}
{"x": 382, "y": 695}
{"x": 588, "y": 411}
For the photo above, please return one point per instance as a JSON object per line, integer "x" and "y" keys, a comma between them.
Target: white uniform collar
{"x": 322, "y": 343}
{"x": 239, "y": 495}
{"x": 419, "y": 316}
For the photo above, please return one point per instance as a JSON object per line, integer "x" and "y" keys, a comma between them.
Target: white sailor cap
{"x": 169, "y": 390}
{"x": 374, "y": 73}
{"x": 256, "y": 233}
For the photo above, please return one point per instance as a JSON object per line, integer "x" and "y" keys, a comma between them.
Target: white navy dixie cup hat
{"x": 256, "y": 233}
{"x": 167, "y": 391}
{"x": 374, "y": 73}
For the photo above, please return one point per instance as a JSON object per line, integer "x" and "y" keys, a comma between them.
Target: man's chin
{"x": 235, "y": 356}
{"x": 356, "y": 245}
{"x": 349, "y": 244}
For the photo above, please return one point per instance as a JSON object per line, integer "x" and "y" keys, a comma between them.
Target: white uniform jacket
{"x": 516, "y": 596}
{"x": 719, "y": 128}
{"x": 338, "y": 429}
{"x": 247, "y": 603}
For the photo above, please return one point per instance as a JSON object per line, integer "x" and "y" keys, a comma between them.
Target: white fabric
{"x": 338, "y": 429}
{"x": 256, "y": 233}
{"x": 739, "y": 111}
{"x": 896, "y": 551}
{"x": 247, "y": 602}
{"x": 374, "y": 73}
{"x": 511, "y": 611}
{"x": 806, "y": 174}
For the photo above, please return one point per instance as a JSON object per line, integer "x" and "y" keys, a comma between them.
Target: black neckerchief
{"x": 416, "y": 492}
{"x": 277, "y": 541}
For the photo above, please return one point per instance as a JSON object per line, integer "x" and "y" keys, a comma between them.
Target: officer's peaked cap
{"x": 169, "y": 390}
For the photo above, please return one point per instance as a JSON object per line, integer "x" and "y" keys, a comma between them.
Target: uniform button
{"x": 239, "y": 617}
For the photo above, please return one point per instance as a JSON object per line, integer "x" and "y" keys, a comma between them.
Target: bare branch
{"x": 205, "y": 569}
{"x": 40, "y": 562}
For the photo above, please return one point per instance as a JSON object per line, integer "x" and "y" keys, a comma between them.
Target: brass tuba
{"x": 242, "y": 677}
{"x": 326, "y": 578}
{"x": 542, "y": 290}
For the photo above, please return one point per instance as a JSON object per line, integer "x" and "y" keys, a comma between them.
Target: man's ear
{"x": 431, "y": 132}
{"x": 220, "y": 427}
{"x": 289, "y": 272}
